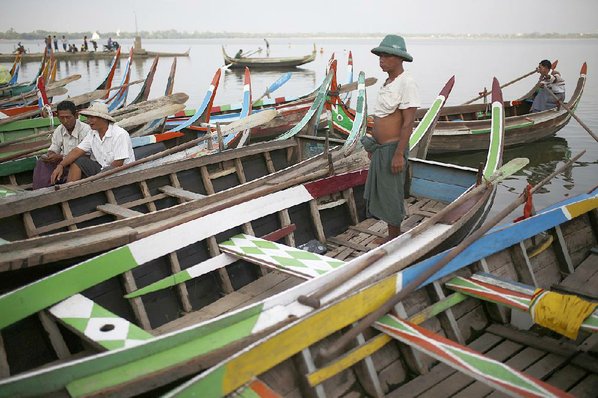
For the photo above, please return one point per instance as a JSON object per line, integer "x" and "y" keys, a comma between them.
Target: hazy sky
{"x": 410, "y": 16}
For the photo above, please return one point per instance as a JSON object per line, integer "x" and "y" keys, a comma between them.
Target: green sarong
{"x": 384, "y": 192}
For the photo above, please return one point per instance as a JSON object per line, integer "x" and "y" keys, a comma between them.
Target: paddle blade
{"x": 278, "y": 83}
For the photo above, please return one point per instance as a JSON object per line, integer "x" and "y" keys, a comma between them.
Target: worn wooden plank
{"x": 226, "y": 284}
{"x": 564, "y": 349}
{"x": 68, "y": 215}
{"x": 346, "y": 243}
{"x": 316, "y": 220}
{"x": 586, "y": 388}
{"x": 565, "y": 378}
{"x": 367, "y": 231}
{"x": 118, "y": 211}
{"x": 562, "y": 252}
{"x": 56, "y": 339}
{"x": 4, "y": 367}
{"x": 181, "y": 288}
{"x": 180, "y": 193}
{"x": 151, "y": 206}
{"x": 136, "y": 302}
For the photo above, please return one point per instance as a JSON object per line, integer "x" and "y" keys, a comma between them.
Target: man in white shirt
{"x": 548, "y": 81}
{"x": 108, "y": 144}
{"x": 67, "y": 136}
{"x": 388, "y": 147}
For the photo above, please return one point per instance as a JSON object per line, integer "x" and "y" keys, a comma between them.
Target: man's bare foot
{"x": 393, "y": 232}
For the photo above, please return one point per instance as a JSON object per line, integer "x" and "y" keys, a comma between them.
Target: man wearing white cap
{"x": 108, "y": 144}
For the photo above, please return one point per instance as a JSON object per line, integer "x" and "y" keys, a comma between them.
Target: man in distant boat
{"x": 548, "y": 81}
{"x": 67, "y": 136}
{"x": 239, "y": 53}
{"x": 388, "y": 146}
{"x": 108, "y": 144}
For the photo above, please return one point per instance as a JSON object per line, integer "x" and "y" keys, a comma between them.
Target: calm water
{"x": 473, "y": 62}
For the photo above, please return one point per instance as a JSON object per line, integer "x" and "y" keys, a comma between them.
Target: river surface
{"x": 473, "y": 62}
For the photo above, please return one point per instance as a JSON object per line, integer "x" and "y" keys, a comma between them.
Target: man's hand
{"x": 56, "y": 174}
{"x": 397, "y": 164}
{"x": 51, "y": 157}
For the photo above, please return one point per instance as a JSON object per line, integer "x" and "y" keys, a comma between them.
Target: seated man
{"x": 109, "y": 145}
{"x": 548, "y": 81}
{"x": 67, "y": 136}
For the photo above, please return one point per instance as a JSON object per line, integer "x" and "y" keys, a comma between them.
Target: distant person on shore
{"x": 20, "y": 48}
{"x": 65, "y": 43}
{"x": 548, "y": 81}
{"x": 67, "y": 136}
{"x": 84, "y": 47}
{"x": 109, "y": 44}
{"x": 55, "y": 40}
{"x": 388, "y": 146}
{"x": 239, "y": 53}
{"x": 108, "y": 144}
{"x": 95, "y": 45}
{"x": 48, "y": 42}
{"x": 267, "y": 48}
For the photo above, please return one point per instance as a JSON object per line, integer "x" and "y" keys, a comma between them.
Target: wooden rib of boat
{"x": 466, "y": 127}
{"x": 267, "y": 62}
{"x": 211, "y": 328}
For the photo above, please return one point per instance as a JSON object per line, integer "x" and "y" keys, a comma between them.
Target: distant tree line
{"x": 11, "y": 34}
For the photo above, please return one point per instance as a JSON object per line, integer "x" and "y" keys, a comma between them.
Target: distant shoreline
{"x": 172, "y": 34}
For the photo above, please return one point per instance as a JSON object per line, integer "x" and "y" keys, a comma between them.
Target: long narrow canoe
{"x": 268, "y": 62}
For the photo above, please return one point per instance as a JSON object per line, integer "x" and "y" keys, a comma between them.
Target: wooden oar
{"x": 566, "y": 107}
{"x": 425, "y": 275}
{"x": 248, "y": 122}
{"x": 485, "y": 94}
{"x": 274, "y": 86}
{"x": 345, "y": 88}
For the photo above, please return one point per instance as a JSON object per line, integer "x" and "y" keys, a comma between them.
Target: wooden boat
{"x": 206, "y": 334}
{"x": 268, "y": 62}
{"x": 469, "y": 301}
{"x": 165, "y": 185}
{"x": 466, "y": 127}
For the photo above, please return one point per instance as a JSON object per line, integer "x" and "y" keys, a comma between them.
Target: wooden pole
{"x": 572, "y": 114}
{"x": 554, "y": 64}
{"x": 366, "y": 322}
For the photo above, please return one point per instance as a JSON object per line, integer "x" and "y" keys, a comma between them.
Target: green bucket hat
{"x": 393, "y": 45}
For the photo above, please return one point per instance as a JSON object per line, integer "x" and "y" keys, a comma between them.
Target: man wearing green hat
{"x": 388, "y": 146}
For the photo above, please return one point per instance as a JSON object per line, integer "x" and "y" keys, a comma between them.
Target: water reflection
{"x": 544, "y": 158}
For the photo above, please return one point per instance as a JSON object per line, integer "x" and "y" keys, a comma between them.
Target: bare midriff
{"x": 386, "y": 129}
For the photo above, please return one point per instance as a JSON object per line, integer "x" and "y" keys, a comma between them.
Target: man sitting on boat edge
{"x": 548, "y": 81}
{"x": 67, "y": 136}
{"x": 108, "y": 144}
{"x": 394, "y": 115}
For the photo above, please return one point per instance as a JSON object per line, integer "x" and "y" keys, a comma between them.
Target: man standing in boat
{"x": 109, "y": 145}
{"x": 548, "y": 81}
{"x": 66, "y": 137}
{"x": 388, "y": 147}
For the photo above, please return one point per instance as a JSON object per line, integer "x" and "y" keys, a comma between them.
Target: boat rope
{"x": 528, "y": 207}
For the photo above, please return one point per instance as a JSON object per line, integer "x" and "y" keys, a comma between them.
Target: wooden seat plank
{"x": 98, "y": 325}
{"x": 118, "y": 211}
{"x": 180, "y": 193}
{"x": 284, "y": 258}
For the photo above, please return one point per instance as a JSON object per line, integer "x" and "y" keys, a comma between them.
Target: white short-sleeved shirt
{"x": 115, "y": 145}
{"x": 401, "y": 93}
{"x": 63, "y": 141}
